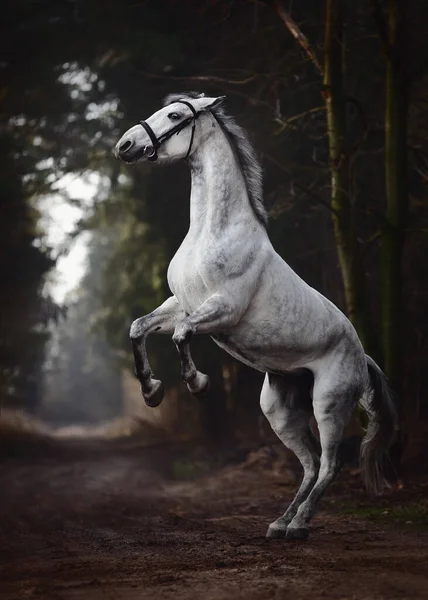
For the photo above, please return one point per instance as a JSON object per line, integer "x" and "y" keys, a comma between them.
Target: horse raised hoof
{"x": 199, "y": 386}
{"x": 297, "y": 533}
{"x": 155, "y": 396}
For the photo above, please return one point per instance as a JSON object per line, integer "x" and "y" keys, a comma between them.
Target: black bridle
{"x": 158, "y": 141}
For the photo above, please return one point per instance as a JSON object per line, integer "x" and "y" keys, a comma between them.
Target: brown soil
{"x": 91, "y": 523}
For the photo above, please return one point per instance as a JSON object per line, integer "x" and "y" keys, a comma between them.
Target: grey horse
{"x": 228, "y": 282}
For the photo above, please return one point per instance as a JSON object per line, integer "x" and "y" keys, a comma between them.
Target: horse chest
{"x": 192, "y": 276}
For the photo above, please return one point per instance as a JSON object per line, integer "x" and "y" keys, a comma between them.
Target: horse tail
{"x": 378, "y": 402}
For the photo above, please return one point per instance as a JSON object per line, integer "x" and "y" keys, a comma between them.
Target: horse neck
{"x": 219, "y": 195}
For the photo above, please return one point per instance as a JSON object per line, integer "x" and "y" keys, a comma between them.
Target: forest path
{"x": 91, "y": 524}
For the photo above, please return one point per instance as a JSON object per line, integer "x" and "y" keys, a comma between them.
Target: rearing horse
{"x": 228, "y": 282}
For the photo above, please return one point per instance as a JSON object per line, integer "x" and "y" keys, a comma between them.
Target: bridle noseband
{"x": 158, "y": 141}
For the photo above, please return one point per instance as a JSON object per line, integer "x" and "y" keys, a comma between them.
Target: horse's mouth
{"x": 145, "y": 153}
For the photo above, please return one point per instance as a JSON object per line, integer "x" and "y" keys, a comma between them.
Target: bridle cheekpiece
{"x": 158, "y": 141}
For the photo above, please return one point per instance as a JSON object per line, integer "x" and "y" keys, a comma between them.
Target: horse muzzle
{"x": 130, "y": 153}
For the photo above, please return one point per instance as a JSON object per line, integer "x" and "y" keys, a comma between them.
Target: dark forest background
{"x": 335, "y": 97}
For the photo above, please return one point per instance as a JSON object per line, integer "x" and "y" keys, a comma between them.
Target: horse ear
{"x": 217, "y": 102}
{"x": 210, "y": 103}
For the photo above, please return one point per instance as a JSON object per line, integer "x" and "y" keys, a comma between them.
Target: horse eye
{"x": 173, "y": 116}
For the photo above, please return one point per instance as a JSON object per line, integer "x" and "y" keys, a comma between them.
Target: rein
{"x": 158, "y": 141}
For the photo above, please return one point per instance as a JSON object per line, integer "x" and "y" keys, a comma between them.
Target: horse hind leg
{"x": 286, "y": 403}
{"x": 333, "y": 407}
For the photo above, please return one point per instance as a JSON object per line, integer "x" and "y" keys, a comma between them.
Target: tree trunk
{"x": 343, "y": 214}
{"x": 396, "y": 193}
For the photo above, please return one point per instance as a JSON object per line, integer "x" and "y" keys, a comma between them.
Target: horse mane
{"x": 247, "y": 159}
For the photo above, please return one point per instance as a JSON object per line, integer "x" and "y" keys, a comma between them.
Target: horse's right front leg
{"x": 162, "y": 320}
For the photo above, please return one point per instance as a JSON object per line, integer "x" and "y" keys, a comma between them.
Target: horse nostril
{"x": 125, "y": 146}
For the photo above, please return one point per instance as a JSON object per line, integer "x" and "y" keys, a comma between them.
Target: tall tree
{"x": 341, "y": 200}
{"x": 342, "y": 210}
{"x": 392, "y": 31}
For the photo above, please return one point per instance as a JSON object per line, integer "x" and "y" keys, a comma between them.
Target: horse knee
{"x": 137, "y": 329}
{"x": 182, "y": 334}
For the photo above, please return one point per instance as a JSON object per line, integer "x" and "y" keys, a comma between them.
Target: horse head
{"x": 169, "y": 134}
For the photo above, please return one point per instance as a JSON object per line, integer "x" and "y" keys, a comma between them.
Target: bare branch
{"x": 210, "y": 78}
{"x": 295, "y": 31}
{"x": 302, "y": 187}
{"x": 288, "y": 122}
{"x": 216, "y": 81}
{"x": 367, "y": 244}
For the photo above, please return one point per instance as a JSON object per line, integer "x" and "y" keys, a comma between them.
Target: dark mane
{"x": 244, "y": 150}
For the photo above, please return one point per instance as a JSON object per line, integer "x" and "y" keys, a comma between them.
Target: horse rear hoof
{"x": 297, "y": 533}
{"x": 275, "y": 533}
{"x": 156, "y": 394}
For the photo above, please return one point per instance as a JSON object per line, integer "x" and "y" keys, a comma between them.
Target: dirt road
{"x": 91, "y": 524}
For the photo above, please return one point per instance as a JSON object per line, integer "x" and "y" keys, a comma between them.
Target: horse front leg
{"x": 197, "y": 383}
{"x": 214, "y": 315}
{"x": 162, "y": 320}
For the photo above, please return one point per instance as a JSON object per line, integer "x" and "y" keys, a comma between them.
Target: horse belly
{"x": 274, "y": 355}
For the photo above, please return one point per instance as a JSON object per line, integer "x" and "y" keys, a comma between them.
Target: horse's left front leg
{"x": 214, "y": 315}
{"x": 161, "y": 320}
